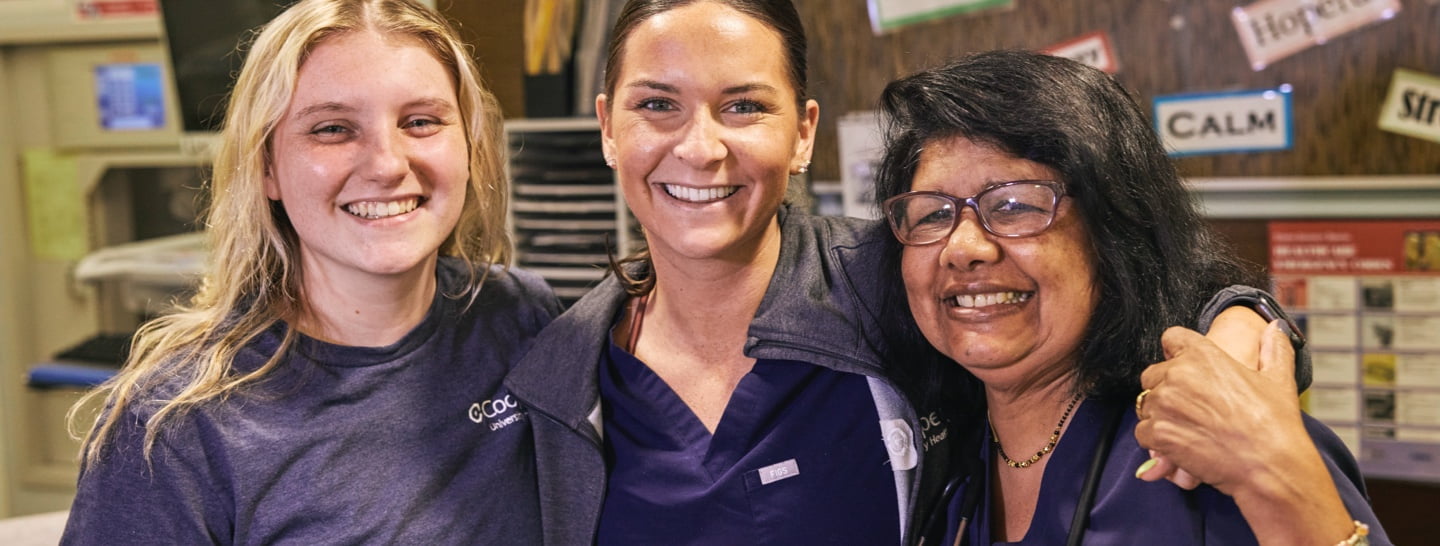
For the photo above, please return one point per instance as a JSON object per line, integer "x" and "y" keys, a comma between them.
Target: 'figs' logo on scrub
{"x": 500, "y": 412}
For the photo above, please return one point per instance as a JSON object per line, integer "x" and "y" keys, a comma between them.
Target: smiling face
{"x": 705, "y": 128}
{"x": 370, "y": 159}
{"x": 1011, "y": 310}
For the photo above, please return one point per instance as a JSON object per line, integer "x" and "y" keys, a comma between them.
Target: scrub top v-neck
{"x": 1126, "y": 510}
{"x": 796, "y": 458}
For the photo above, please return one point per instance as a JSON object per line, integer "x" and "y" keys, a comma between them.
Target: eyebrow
{"x": 326, "y": 107}
{"x": 338, "y": 107}
{"x": 732, "y": 90}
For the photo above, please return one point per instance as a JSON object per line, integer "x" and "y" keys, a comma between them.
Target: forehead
{"x": 360, "y": 59}
{"x": 705, "y": 42}
{"x": 960, "y": 166}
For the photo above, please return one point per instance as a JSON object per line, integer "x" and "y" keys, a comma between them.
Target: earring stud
{"x": 804, "y": 168}
{"x": 609, "y": 162}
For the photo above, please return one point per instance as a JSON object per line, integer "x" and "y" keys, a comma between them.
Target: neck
{"x": 365, "y": 310}
{"x": 712, "y": 300}
{"x": 1026, "y": 417}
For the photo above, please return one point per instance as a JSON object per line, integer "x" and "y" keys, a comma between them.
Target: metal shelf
{"x": 1294, "y": 197}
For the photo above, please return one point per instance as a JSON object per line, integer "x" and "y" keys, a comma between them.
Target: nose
{"x": 701, "y": 145}
{"x": 969, "y": 245}
{"x": 386, "y": 159}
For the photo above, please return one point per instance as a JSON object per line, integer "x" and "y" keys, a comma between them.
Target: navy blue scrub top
{"x": 1127, "y": 510}
{"x": 797, "y": 458}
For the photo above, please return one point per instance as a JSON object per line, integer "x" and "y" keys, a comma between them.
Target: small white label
{"x": 900, "y": 443}
{"x": 778, "y": 471}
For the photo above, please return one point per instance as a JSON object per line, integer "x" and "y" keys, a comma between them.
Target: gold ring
{"x": 1140, "y": 402}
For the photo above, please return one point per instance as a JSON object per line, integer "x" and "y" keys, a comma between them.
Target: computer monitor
{"x": 201, "y": 38}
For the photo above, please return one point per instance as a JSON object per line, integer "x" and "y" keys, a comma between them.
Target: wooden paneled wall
{"x": 1164, "y": 47}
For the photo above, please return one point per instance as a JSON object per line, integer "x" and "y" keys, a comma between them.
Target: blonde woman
{"x": 337, "y": 377}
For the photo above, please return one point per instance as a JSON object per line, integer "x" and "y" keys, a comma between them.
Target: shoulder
{"x": 506, "y": 290}
{"x": 832, "y": 231}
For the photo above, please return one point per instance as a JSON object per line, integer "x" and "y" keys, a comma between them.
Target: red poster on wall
{"x": 1367, "y": 296}
{"x": 114, "y": 9}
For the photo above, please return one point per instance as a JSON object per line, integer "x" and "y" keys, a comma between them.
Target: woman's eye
{"x": 655, "y": 105}
{"x": 423, "y": 126}
{"x": 939, "y": 216}
{"x": 748, "y": 107}
{"x": 332, "y": 132}
{"x": 1014, "y": 207}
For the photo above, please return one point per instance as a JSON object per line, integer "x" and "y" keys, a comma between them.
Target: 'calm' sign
{"x": 1212, "y": 123}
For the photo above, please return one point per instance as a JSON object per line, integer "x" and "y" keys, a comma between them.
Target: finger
{"x": 1155, "y": 469}
{"x": 1237, "y": 331}
{"x": 1277, "y": 356}
{"x": 1183, "y": 479}
{"x": 1177, "y": 339}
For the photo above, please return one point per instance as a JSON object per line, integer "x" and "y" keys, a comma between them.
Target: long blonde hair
{"x": 253, "y": 274}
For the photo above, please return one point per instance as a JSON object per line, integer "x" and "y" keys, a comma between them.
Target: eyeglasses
{"x": 1020, "y": 208}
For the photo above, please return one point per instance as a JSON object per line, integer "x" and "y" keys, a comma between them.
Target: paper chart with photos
{"x": 1367, "y": 296}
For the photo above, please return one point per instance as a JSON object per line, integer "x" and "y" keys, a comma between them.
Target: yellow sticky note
{"x": 55, "y": 206}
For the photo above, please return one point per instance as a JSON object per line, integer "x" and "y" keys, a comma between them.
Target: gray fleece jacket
{"x": 821, "y": 307}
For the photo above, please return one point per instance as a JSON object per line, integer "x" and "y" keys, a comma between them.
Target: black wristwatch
{"x": 1264, "y": 305}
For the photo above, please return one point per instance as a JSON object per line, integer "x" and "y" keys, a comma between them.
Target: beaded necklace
{"x": 1054, "y": 438}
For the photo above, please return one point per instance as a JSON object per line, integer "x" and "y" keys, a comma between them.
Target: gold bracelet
{"x": 1361, "y": 536}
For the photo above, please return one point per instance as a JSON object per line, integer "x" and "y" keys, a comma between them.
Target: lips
{"x": 374, "y": 210}
{"x": 699, "y": 195}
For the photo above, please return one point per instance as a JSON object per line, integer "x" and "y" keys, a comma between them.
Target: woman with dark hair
{"x": 728, "y": 384}
{"x": 1055, "y": 293}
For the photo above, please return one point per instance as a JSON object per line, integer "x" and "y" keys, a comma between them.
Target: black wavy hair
{"x": 1157, "y": 261}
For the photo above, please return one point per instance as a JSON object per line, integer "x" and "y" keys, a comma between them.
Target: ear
{"x": 607, "y": 136}
{"x": 272, "y": 186}
{"x": 809, "y": 120}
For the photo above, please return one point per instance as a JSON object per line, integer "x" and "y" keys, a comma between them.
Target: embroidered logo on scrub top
{"x": 501, "y": 412}
{"x": 899, "y": 442}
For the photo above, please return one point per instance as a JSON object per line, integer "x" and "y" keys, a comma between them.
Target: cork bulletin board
{"x": 1164, "y": 47}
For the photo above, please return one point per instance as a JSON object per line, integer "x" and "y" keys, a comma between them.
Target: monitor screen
{"x": 201, "y": 36}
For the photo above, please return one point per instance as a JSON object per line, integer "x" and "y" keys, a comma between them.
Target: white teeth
{"x": 986, "y": 300}
{"x": 700, "y": 195}
{"x": 375, "y": 210}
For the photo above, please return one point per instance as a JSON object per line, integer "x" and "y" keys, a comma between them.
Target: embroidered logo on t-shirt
{"x": 500, "y": 412}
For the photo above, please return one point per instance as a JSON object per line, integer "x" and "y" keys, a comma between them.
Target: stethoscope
{"x": 935, "y": 522}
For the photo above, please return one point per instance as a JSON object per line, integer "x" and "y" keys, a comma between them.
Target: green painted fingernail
{"x": 1145, "y": 467}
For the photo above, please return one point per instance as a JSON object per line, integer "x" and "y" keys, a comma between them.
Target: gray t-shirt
{"x": 413, "y": 443}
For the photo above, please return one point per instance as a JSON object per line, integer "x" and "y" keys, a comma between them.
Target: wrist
{"x": 1293, "y": 500}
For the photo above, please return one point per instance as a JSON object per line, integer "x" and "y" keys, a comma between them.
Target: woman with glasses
{"x": 1045, "y": 244}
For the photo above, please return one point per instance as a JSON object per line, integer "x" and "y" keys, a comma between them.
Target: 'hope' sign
{"x": 1224, "y": 122}
{"x": 1274, "y": 29}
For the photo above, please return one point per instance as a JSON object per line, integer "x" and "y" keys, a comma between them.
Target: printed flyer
{"x": 1367, "y": 296}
